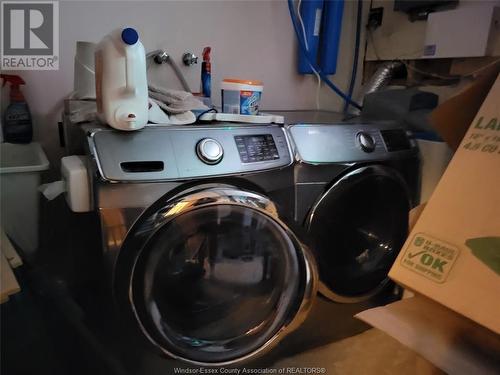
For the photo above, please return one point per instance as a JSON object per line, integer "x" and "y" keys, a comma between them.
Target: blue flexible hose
{"x": 356, "y": 53}
{"x": 310, "y": 59}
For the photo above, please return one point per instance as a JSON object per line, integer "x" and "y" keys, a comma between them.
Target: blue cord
{"x": 356, "y": 53}
{"x": 310, "y": 59}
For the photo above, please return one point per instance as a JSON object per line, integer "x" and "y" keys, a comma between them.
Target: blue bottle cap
{"x": 130, "y": 36}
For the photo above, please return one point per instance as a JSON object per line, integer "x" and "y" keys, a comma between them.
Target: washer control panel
{"x": 255, "y": 148}
{"x": 188, "y": 152}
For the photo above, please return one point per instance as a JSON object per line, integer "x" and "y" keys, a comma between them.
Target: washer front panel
{"x": 213, "y": 277}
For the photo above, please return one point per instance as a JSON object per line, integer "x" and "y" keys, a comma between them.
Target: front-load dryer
{"x": 355, "y": 184}
{"x": 200, "y": 261}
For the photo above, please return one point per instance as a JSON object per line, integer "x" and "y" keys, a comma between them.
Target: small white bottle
{"x": 121, "y": 80}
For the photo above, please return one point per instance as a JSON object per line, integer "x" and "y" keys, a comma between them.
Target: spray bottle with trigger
{"x": 17, "y": 127}
{"x": 206, "y": 71}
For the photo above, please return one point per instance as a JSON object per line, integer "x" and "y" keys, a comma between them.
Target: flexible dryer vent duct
{"x": 382, "y": 76}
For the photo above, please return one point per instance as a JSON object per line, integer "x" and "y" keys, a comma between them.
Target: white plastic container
{"x": 241, "y": 97}
{"x": 20, "y": 168}
{"x": 75, "y": 176}
{"x": 121, "y": 80}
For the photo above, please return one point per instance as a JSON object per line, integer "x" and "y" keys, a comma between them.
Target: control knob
{"x": 366, "y": 141}
{"x": 209, "y": 151}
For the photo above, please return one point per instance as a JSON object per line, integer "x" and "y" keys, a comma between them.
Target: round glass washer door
{"x": 357, "y": 229}
{"x": 219, "y": 278}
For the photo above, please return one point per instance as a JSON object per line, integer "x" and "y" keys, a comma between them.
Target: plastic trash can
{"x": 20, "y": 168}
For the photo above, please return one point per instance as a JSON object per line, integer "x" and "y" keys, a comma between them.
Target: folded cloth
{"x": 157, "y": 117}
{"x": 175, "y": 101}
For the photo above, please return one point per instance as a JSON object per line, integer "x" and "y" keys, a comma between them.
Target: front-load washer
{"x": 201, "y": 263}
{"x": 355, "y": 185}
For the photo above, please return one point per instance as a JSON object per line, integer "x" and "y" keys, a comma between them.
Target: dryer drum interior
{"x": 218, "y": 278}
{"x": 357, "y": 228}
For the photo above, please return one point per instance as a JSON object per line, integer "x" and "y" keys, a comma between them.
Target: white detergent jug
{"x": 121, "y": 80}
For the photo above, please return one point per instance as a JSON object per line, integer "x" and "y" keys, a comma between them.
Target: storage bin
{"x": 20, "y": 169}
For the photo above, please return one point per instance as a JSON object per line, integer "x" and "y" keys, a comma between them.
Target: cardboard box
{"x": 452, "y": 118}
{"x": 452, "y": 254}
{"x": 448, "y": 340}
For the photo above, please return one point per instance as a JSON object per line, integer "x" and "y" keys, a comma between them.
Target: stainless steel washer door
{"x": 357, "y": 229}
{"x": 217, "y": 278}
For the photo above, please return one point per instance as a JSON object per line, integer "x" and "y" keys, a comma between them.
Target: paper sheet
{"x": 453, "y": 343}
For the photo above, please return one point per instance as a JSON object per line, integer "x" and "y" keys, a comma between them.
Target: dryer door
{"x": 213, "y": 277}
{"x": 357, "y": 229}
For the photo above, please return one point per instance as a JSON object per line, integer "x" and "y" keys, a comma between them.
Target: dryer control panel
{"x": 345, "y": 142}
{"x": 187, "y": 152}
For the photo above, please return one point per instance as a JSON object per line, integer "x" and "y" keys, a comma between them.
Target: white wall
{"x": 249, "y": 39}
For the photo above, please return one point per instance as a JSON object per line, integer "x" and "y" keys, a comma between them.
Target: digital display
{"x": 396, "y": 140}
{"x": 253, "y": 148}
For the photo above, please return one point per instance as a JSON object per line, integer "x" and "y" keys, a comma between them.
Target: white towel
{"x": 157, "y": 117}
{"x": 175, "y": 101}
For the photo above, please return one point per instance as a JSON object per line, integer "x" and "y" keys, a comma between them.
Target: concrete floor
{"x": 34, "y": 328}
{"x": 371, "y": 352}
{"x": 330, "y": 339}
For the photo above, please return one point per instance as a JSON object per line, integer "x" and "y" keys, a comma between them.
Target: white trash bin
{"x": 20, "y": 169}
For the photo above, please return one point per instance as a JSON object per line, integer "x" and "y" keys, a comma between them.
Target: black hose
{"x": 359, "y": 15}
